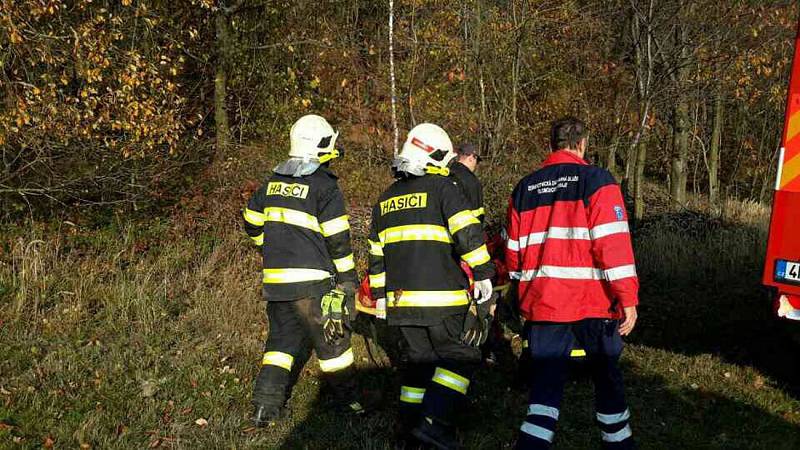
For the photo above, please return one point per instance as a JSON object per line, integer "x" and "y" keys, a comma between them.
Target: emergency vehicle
{"x": 782, "y": 265}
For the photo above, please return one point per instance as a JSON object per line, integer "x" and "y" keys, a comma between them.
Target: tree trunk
{"x": 611, "y": 157}
{"x": 714, "y": 152}
{"x": 221, "y": 123}
{"x": 680, "y": 127}
{"x": 638, "y": 181}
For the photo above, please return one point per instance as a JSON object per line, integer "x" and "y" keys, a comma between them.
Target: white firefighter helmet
{"x": 427, "y": 149}
{"x": 312, "y": 137}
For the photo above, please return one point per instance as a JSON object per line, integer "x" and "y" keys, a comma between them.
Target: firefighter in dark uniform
{"x": 421, "y": 227}
{"x": 462, "y": 170}
{"x": 298, "y": 219}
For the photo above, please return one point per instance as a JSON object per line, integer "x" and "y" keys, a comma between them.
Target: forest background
{"x": 133, "y": 131}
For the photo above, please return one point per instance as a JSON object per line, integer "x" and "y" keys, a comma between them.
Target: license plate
{"x": 787, "y": 271}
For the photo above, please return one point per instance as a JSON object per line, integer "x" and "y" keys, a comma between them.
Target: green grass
{"x": 127, "y": 336}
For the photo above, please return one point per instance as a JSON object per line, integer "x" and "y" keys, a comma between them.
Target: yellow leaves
{"x": 15, "y": 37}
{"x": 314, "y": 83}
{"x": 126, "y": 2}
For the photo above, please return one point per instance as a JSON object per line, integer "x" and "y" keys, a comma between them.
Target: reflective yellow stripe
{"x": 477, "y": 257}
{"x": 428, "y": 298}
{"x": 345, "y": 264}
{"x": 451, "y": 379}
{"x": 415, "y": 233}
{"x": 280, "y": 359}
{"x": 377, "y": 281}
{"x": 254, "y": 217}
{"x": 336, "y": 364}
{"x": 375, "y": 248}
{"x": 278, "y": 276}
{"x": 478, "y": 212}
{"x": 577, "y": 353}
{"x": 292, "y": 217}
{"x": 433, "y": 170}
{"x": 335, "y": 226}
{"x": 525, "y": 343}
{"x": 410, "y": 394}
{"x": 461, "y": 220}
{"x": 259, "y": 240}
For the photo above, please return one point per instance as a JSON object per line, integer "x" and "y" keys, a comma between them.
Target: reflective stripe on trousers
{"x": 451, "y": 380}
{"x": 338, "y": 363}
{"x": 615, "y": 427}
{"x": 409, "y": 394}
{"x": 280, "y": 359}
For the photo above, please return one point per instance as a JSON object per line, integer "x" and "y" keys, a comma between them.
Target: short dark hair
{"x": 567, "y": 133}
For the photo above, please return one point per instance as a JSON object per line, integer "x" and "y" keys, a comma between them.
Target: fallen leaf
{"x": 149, "y": 388}
{"x": 48, "y": 442}
{"x": 201, "y": 422}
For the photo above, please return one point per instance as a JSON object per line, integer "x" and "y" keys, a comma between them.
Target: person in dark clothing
{"x": 462, "y": 171}
{"x": 298, "y": 220}
{"x": 422, "y": 227}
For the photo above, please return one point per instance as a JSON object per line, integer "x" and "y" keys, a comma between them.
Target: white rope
{"x": 391, "y": 73}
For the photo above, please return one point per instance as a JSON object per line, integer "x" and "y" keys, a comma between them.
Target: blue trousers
{"x": 549, "y": 345}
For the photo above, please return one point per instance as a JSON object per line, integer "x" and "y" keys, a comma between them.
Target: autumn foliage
{"x": 125, "y": 102}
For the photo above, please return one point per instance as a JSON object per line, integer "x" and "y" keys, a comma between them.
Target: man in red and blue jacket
{"x": 569, "y": 249}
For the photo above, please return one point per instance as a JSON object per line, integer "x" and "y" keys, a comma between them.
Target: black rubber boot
{"x": 341, "y": 393}
{"x": 436, "y": 435}
{"x": 264, "y": 415}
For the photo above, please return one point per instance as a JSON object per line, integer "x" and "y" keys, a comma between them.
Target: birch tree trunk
{"x": 714, "y": 151}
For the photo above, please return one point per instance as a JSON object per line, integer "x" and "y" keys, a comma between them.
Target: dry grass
{"x": 126, "y": 336}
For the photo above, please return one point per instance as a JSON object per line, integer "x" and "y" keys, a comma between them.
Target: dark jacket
{"x": 304, "y": 233}
{"x": 470, "y": 185}
{"x": 421, "y": 228}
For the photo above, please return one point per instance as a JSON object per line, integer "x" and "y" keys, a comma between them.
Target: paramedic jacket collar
{"x": 563, "y": 157}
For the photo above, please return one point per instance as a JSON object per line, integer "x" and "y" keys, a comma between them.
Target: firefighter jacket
{"x": 569, "y": 244}
{"x": 471, "y": 188}
{"x": 421, "y": 228}
{"x": 303, "y": 230}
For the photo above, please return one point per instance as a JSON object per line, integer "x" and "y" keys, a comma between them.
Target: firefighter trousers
{"x": 292, "y": 324}
{"x": 549, "y": 345}
{"x": 437, "y": 372}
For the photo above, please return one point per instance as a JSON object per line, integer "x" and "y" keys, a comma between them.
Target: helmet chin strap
{"x": 433, "y": 170}
{"x": 329, "y": 156}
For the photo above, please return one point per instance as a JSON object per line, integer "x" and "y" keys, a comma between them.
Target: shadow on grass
{"x": 665, "y": 415}
{"x": 701, "y": 293}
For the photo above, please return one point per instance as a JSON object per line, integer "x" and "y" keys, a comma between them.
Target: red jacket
{"x": 569, "y": 243}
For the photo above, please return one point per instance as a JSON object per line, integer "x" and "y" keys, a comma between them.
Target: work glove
{"x": 478, "y": 321}
{"x": 482, "y": 290}
{"x": 335, "y": 315}
{"x": 349, "y": 289}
